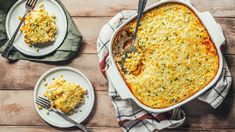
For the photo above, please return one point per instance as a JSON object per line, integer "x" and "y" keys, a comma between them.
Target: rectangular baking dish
{"x": 215, "y": 33}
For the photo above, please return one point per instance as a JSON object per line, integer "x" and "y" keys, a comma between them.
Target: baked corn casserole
{"x": 176, "y": 57}
{"x": 39, "y": 27}
{"x": 64, "y": 95}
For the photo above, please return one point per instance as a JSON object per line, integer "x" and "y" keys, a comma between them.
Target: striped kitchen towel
{"x": 129, "y": 115}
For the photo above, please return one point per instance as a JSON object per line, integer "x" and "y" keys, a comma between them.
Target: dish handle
{"x": 116, "y": 79}
{"x": 213, "y": 28}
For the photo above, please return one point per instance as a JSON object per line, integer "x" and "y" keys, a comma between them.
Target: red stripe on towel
{"x": 102, "y": 65}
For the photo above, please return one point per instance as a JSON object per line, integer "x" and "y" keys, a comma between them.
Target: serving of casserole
{"x": 65, "y": 95}
{"x": 39, "y": 27}
{"x": 178, "y": 57}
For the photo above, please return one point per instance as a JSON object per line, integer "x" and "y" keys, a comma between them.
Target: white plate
{"x": 12, "y": 21}
{"x": 71, "y": 75}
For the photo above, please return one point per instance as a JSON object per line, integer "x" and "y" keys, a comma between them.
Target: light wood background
{"x": 17, "y": 79}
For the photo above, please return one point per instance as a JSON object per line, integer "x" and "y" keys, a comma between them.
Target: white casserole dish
{"x": 215, "y": 34}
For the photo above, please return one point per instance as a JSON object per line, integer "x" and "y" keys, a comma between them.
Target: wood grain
{"x": 51, "y": 129}
{"x": 96, "y": 129}
{"x": 24, "y": 74}
{"x": 201, "y": 115}
{"x": 17, "y": 108}
{"x": 17, "y": 75}
{"x": 218, "y": 8}
{"x": 228, "y": 26}
{"x": 90, "y": 28}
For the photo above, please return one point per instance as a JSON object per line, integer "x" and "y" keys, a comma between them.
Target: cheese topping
{"x": 177, "y": 60}
{"x": 64, "y": 95}
{"x": 39, "y": 27}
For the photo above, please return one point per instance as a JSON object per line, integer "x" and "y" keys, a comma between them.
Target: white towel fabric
{"x": 129, "y": 115}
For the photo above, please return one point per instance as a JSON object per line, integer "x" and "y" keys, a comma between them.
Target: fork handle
{"x": 141, "y": 6}
{"x": 9, "y": 44}
{"x": 83, "y": 128}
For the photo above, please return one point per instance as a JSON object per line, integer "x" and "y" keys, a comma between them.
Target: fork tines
{"x": 31, "y": 2}
{"x": 43, "y": 102}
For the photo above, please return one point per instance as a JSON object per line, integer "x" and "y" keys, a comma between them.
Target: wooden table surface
{"x": 17, "y": 112}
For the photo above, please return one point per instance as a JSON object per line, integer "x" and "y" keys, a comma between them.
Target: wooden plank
{"x": 90, "y": 28}
{"x": 24, "y": 74}
{"x": 52, "y": 129}
{"x": 230, "y": 59}
{"x": 229, "y": 31}
{"x": 17, "y": 108}
{"x": 95, "y": 129}
{"x": 201, "y": 115}
{"x": 17, "y": 76}
{"x": 219, "y": 8}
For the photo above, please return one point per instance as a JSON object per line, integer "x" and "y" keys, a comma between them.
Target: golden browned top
{"x": 65, "y": 95}
{"x": 39, "y": 27}
{"x": 176, "y": 56}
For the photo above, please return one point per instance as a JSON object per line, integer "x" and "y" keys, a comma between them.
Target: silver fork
{"x": 47, "y": 105}
{"x": 30, "y": 4}
{"x": 132, "y": 47}
{"x": 141, "y": 6}
{"x": 140, "y": 10}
